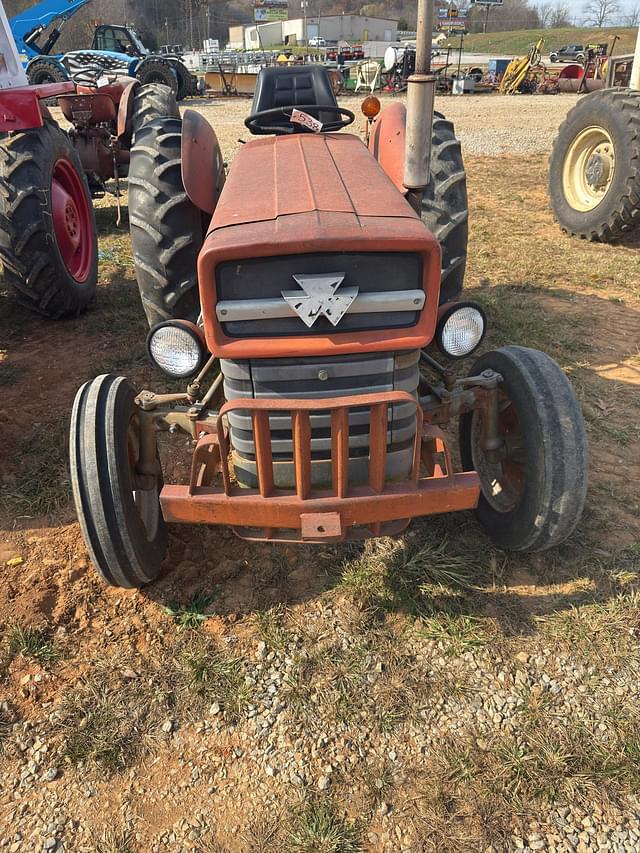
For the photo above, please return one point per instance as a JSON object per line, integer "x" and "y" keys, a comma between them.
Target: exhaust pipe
{"x": 421, "y": 88}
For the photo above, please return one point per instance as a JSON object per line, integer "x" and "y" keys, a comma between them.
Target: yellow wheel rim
{"x": 589, "y": 168}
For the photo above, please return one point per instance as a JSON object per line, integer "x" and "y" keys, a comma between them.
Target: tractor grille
{"x": 318, "y": 378}
{"x": 250, "y": 301}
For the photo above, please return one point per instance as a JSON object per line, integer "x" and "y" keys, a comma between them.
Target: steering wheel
{"x": 90, "y": 74}
{"x": 256, "y": 121}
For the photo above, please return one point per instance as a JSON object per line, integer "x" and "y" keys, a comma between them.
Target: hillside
{"x": 518, "y": 41}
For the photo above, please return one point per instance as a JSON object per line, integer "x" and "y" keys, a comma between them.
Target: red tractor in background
{"x": 302, "y": 300}
{"x": 48, "y": 243}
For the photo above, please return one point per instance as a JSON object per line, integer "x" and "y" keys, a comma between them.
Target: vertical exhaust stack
{"x": 635, "y": 68}
{"x": 420, "y": 102}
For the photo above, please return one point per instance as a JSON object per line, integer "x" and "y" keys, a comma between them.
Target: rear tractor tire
{"x": 48, "y": 243}
{"x": 157, "y": 71}
{"x": 166, "y": 227}
{"x": 594, "y": 172}
{"x": 122, "y": 524}
{"x": 187, "y": 82}
{"x": 150, "y": 102}
{"x": 445, "y": 208}
{"x": 533, "y": 494}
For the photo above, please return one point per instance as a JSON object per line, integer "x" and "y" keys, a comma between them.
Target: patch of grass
{"x": 10, "y": 375}
{"x": 32, "y": 642}
{"x": 271, "y": 626}
{"x": 264, "y": 834}
{"x": 602, "y": 630}
{"x": 42, "y": 485}
{"x": 331, "y": 679}
{"x": 419, "y": 574}
{"x": 114, "y": 841}
{"x": 111, "y": 724}
{"x": 457, "y": 633}
{"x": 6, "y": 723}
{"x": 319, "y": 828}
{"x": 193, "y": 613}
{"x": 205, "y": 673}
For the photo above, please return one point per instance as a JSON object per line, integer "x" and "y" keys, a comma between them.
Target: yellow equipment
{"x": 518, "y": 69}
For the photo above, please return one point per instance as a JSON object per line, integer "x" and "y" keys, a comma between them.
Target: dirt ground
{"x": 425, "y": 694}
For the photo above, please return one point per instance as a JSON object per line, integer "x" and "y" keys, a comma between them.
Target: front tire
{"x": 445, "y": 208}
{"x": 533, "y": 496}
{"x": 122, "y": 526}
{"x": 594, "y": 171}
{"x": 48, "y": 243}
{"x": 166, "y": 227}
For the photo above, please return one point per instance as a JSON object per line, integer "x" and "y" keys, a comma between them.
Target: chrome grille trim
{"x": 234, "y": 310}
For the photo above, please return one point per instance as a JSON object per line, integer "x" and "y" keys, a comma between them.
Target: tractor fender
{"x": 387, "y": 142}
{"x": 203, "y": 168}
{"x": 125, "y": 109}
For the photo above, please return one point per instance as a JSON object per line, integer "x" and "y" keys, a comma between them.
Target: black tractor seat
{"x": 293, "y": 86}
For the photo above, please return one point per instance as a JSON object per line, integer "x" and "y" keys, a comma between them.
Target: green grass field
{"x": 518, "y": 41}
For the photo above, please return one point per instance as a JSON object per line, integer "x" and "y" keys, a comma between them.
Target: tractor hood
{"x": 319, "y": 196}
{"x": 303, "y": 173}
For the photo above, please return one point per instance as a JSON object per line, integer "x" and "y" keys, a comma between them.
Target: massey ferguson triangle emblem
{"x": 320, "y": 297}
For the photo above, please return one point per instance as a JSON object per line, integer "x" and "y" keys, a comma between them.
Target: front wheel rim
{"x": 146, "y": 501}
{"x": 589, "y": 168}
{"x": 72, "y": 221}
{"x": 502, "y": 481}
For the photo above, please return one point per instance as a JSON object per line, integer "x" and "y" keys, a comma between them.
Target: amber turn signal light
{"x": 371, "y": 107}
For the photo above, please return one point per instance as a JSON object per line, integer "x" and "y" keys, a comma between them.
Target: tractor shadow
{"x": 596, "y": 341}
{"x": 42, "y": 363}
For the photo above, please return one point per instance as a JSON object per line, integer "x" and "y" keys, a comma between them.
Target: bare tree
{"x": 545, "y": 11}
{"x": 599, "y": 12}
{"x": 560, "y": 17}
{"x": 632, "y": 18}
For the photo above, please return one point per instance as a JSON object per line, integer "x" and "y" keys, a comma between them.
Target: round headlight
{"x": 461, "y": 330}
{"x": 177, "y": 348}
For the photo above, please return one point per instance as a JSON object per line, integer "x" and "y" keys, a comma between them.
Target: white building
{"x": 332, "y": 28}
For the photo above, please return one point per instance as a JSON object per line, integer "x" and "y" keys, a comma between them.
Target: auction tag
{"x": 102, "y": 81}
{"x": 305, "y": 119}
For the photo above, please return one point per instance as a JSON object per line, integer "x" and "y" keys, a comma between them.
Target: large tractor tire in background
{"x": 445, "y": 208}
{"x": 151, "y": 102}
{"x": 594, "y": 172}
{"x": 48, "y": 243}
{"x": 166, "y": 227}
{"x": 157, "y": 71}
{"x": 44, "y": 71}
{"x": 187, "y": 82}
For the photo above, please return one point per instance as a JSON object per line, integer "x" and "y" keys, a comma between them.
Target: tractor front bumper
{"x": 307, "y": 513}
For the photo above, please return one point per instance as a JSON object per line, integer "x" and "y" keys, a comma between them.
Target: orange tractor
{"x": 301, "y": 299}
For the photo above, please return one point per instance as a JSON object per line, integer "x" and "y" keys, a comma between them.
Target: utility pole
{"x": 166, "y": 25}
{"x": 208, "y": 21}
{"x": 303, "y": 5}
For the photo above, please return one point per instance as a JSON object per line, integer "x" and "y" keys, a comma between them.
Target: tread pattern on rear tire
{"x": 42, "y": 69}
{"x": 121, "y": 555}
{"x": 445, "y": 207}
{"x": 151, "y": 102}
{"x": 150, "y": 70}
{"x": 556, "y": 481}
{"x": 28, "y": 249}
{"x": 619, "y": 212}
{"x": 166, "y": 227}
